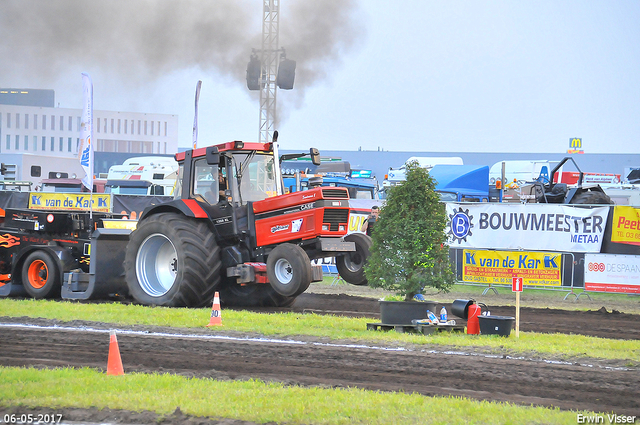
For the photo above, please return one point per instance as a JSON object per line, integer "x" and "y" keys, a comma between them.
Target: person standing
{"x": 370, "y": 222}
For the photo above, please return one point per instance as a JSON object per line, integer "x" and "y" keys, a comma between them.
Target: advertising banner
{"x": 625, "y": 227}
{"x": 355, "y": 221}
{"x": 360, "y": 210}
{"x": 500, "y": 267}
{"x": 612, "y": 273}
{"x": 536, "y": 227}
{"x": 70, "y": 201}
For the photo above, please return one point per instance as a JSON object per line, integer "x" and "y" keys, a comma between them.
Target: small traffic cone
{"x": 216, "y": 315}
{"x": 114, "y": 364}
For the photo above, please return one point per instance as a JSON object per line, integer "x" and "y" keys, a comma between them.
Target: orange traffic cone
{"x": 216, "y": 315}
{"x": 114, "y": 364}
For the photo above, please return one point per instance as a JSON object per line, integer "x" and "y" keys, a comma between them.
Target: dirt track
{"x": 583, "y": 384}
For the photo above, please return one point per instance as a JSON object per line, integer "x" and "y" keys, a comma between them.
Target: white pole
{"x": 518, "y": 314}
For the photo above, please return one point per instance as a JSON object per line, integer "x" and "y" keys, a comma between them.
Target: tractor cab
{"x": 235, "y": 172}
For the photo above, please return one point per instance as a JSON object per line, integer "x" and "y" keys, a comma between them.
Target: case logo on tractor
{"x": 279, "y": 228}
{"x": 306, "y": 206}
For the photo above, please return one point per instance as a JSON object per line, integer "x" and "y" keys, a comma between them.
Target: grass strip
{"x": 255, "y": 400}
{"x": 337, "y": 328}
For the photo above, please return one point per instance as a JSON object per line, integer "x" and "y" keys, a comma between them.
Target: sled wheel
{"x": 172, "y": 260}
{"x": 351, "y": 265}
{"x": 40, "y": 276}
{"x": 289, "y": 270}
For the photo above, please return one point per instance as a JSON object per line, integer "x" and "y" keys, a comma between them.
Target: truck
{"x": 462, "y": 183}
{"x": 520, "y": 171}
{"x": 147, "y": 175}
{"x": 396, "y": 176}
{"x": 254, "y": 245}
{"x": 67, "y": 185}
{"x": 35, "y": 167}
{"x": 360, "y": 183}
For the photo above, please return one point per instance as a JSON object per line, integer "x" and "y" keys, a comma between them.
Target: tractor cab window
{"x": 206, "y": 184}
{"x": 255, "y": 174}
{"x": 177, "y": 189}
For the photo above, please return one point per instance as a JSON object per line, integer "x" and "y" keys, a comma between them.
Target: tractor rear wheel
{"x": 173, "y": 261}
{"x": 289, "y": 270}
{"x": 592, "y": 197}
{"x": 40, "y": 276}
{"x": 351, "y": 265}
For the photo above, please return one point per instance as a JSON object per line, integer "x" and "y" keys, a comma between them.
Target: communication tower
{"x": 269, "y": 69}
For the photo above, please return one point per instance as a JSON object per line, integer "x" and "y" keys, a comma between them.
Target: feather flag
{"x": 86, "y": 132}
{"x": 195, "y": 119}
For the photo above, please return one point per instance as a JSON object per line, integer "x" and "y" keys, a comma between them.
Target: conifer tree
{"x": 409, "y": 249}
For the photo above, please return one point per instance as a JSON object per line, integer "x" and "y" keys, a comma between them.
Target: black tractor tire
{"x": 351, "y": 265}
{"x": 289, "y": 270}
{"x": 41, "y": 276}
{"x": 255, "y": 295}
{"x": 593, "y": 197}
{"x": 174, "y": 261}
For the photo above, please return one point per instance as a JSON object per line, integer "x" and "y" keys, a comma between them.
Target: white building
{"x": 56, "y": 131}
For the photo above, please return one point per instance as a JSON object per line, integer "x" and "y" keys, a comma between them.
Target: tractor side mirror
{"x": 315, "y": 156}
{"x": 213, "y": 157}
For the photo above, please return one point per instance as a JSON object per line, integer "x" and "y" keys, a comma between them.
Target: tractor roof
{"x": 237, "y": 146}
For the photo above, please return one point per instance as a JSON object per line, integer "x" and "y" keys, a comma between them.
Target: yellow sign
{"x": 70, "y": 201}
{"x": 575, "y": 143}
{"x": 355, "y": 222}
{"x": 625, "y": 227}
{"x": 500, "y": 267}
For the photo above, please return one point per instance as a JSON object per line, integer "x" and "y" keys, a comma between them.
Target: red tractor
{"x": 229, "y": 230}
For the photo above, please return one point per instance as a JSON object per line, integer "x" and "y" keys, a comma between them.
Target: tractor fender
{"x": 186, "y": 207}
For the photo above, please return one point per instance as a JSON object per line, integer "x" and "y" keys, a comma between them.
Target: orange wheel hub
{"x": 38, "y": 274}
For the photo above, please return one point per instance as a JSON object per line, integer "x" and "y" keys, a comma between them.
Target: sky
{"x": 407, "y": 75}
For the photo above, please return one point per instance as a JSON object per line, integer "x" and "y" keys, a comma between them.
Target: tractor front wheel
{"x": 351, "y": 265}
{"x": 289, "y": 270}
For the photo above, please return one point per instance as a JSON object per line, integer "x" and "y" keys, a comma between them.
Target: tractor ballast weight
{"x": 560, "y": 193}
{"x": 227, "y": 230}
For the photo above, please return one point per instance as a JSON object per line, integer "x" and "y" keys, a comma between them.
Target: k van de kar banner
{"x": 538, "y": 227}
{"x": 70, "y": 201}
{"x": 499, "y": 267}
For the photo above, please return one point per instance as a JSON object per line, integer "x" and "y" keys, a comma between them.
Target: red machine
{"x": 228, "y": 230}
